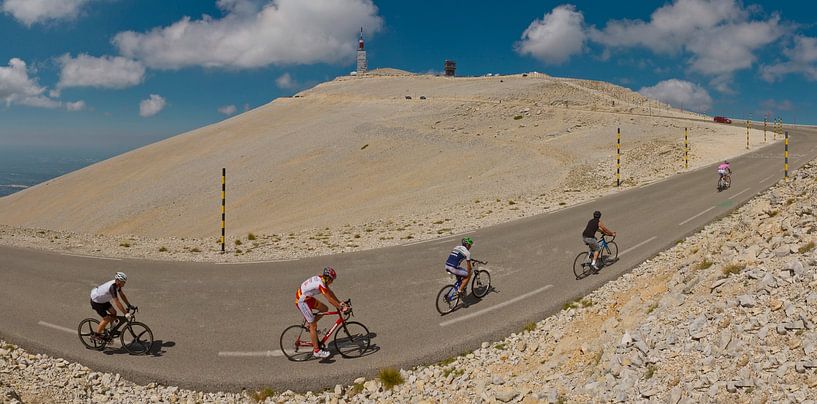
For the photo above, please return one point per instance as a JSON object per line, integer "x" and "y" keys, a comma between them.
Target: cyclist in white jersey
{"x": 101, "y": 297}
{"x": 306, "y": 302}
{"x": 452, "y": 264}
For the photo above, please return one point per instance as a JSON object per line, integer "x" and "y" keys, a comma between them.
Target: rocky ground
{"x": 727, "y": 315}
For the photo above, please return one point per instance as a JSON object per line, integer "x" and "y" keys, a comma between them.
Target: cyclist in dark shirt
{"x": 589, "y": 236}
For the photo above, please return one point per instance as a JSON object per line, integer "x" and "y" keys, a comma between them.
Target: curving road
{"x": 219, "y": 324}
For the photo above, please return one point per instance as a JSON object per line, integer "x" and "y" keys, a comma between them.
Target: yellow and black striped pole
{"x": 786, "y": 154}
{"x": 747, "y": 134}
{"x": 618, "y": 157}
{"x": 223, "y": 205}
{"x": 764, "y": 129}
{"x": 686, "y": 150}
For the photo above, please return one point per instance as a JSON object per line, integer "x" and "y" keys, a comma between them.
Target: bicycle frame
{"x": 322, "y": 341}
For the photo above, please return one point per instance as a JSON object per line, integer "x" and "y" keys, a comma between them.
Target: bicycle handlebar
{"x": 604, "y": 235}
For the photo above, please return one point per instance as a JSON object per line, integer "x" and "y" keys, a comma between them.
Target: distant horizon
{"x": 97, "y": 73}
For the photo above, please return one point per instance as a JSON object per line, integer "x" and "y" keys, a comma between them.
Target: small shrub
{"x": 806, "y": 248}
{"x": 238, "y": 242}
{"x": 124, "y": 244}
{"x": 529, "y": 327}
{"x": 789, "y": 201}
{"x": 518, "y": 117}
{"x": 262, "y": 395}
{"x": 732, "y": 269}
{"x": 390, "y": 377}
{"x": 597, "y": 357}
{"x": 586, "y": 302}
{"x": 705, "y": 264}
{"x": 650, "y": 372}
{"x": 251, "y": 237}
{"x": 501, "y": 346}
{"x": 195, "y": 249}
{"x": 453, "y": 371}
{"x": 652, "y": 307}
{"x": 447, "y": 361}
{"x": 511, "y": 203}
{"x": 356, "y": 389}
{"x": 162, "y": 249}
{"x": 772, "y": 213}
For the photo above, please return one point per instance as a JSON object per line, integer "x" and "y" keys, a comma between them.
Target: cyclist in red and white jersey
{"x": 306, "y": 302}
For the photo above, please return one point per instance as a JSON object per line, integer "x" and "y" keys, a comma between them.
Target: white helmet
{"x": 120, "y": 276}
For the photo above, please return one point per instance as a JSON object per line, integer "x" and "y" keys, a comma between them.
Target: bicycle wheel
{"x": 296, "y": 343}
{"x": 481, "y": 284}
{"x": 612, "y": 251}
{"x": 136, "y": 338}
{"x": 447, "y": 299}
{"x": 86, "y": 329}
{"x": 581, "y": 265}
{"x": 352, "y": 339}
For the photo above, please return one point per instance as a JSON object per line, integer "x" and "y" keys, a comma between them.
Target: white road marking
{"x": 267, "y": 354}
{"x": 57, "y": 327}
{"x": 736, "y": 195}
{"x": 498, "y": 306}
{"x": 92, "y": 257}
{"x": 764, "y": 180}
{"x": 257, "y": 262}
{"x": 693, "y": 217}
{"x": 637, "y": 245}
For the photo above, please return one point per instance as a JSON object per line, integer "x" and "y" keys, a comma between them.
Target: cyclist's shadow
{"x": 470, "y": 300}
{"x": 157, "y": 349}
{"x": 373, "y": 348}
{"x": 607, "y": 263}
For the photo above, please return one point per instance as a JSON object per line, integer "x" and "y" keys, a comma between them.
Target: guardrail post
{"x": 618, "y": 157}
{"x": 686, "y": 150}
{"x": 223, "y": 205}
{"x": 786, "y": 157}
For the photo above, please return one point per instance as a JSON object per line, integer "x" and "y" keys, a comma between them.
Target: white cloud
{"x": 152, "y": 105}
{"x": 773, "y": 105}
{"x": 802, "y": 60}
{"x": 227, "y": 109}
{"x": 680, "y": 93}
{"x": 718, "y": 35}
{"x": 30, "y": 12}
{"x": 75, "y": 106}
{"x": 16, "y": 87}
{"x": 286, "y": 81}
{"x": 254, "y": 34}
{"x": 102, "y": 72}
{"x": 556, "y": 37}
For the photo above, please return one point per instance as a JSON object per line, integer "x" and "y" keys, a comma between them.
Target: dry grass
{"x": 806, "y": 248}
{"x": 732, "y": 269}
{"x": 390, "y": 377}
{"x": 705, "y": 264}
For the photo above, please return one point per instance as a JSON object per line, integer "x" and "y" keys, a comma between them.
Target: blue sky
{"x": 116, "y": 74}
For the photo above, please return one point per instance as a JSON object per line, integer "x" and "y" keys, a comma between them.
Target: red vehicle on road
{"x": 722, "y": 119}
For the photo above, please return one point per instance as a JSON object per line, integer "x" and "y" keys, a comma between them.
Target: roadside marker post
{"x": 223, "y": 205}
{"x": 747, "y": 134}
{"x": 686, "y": 150}
{"x": 618, "y": 157}
{"x": 764, "y": 128}
{"x": 786, "y": 157}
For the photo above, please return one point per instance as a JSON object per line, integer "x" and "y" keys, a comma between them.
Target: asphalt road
{"x": 218, "y": 325}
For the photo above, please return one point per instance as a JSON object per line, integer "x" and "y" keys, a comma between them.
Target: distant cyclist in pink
{"x": 725, "y": 171}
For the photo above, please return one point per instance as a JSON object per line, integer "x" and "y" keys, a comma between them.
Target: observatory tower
{"x": 362, "y": 65}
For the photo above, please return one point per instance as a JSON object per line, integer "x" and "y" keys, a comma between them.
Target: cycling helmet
{"x": 596, "y": 214}
{"x": 330, "y": 272}
{"x": 120, "y": 276}
{"x": 467, "y": 240}
{"x": 726, "y": 162}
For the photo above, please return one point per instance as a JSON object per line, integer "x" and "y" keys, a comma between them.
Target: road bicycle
{"x": 352, "y": 339}
{"x": 136, "y": 337}
{"x": 724, "y": 182}
{"x": 448, "y": 299}
{"x": 582, "y": 264}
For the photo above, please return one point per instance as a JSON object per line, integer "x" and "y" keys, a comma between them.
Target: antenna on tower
{"x": 362, "y": 64}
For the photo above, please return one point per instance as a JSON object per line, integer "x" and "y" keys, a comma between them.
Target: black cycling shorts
{"x": 101, "y": 308}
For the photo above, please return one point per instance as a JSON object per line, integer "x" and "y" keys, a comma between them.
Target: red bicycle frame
{"x": 322, "y": 341}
